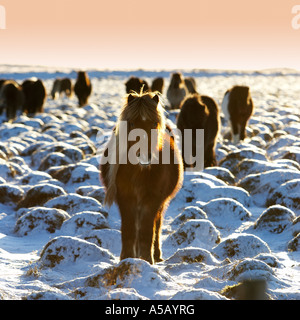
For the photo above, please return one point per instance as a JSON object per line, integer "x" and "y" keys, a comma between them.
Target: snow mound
{"x": 275, "y": 219}
{"x": 226, "y": 213}
{"x": 192, "y": 255}
{"x": 132, "y": 273}
{"x": 39, "y": 194}
{"x": 261, "y": 185}
{"x": 189, "y": 213}
{"x": 74, "y": 203}
{"x": 11, "y": 194}
{"x": 109, "y": 239}
{"x": 65, "y": 251}
{"x": 196, "y": 233}
{"x": 197, "y": 294}
{"x": 287, "y": 194}
{"x": 83, "y": 222}
{"x": 239, "y": 246}
{"x": 38, "y": 219}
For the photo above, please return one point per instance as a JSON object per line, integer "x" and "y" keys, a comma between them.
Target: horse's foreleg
{"x": 235, "y": 130}
{"x": 157, "y": 242}
{"x": 147, "y": 232}
{"x": 128, "y": 232}
{"x": 146, "y": 239}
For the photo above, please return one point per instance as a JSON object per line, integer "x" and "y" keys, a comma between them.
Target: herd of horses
{"x": 30, "y": 96}
{"x": 142, "y": 191}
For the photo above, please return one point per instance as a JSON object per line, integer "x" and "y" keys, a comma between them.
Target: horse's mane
{"x": 145, "y": 105}
{"x": 142, "y": 105}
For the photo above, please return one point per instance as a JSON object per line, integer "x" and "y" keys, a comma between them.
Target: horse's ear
{"x": 130, "y": 98}
{"x": 156, "y": 99}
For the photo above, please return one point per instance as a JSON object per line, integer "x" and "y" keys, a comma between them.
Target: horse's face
{"x": 145, "y": 134}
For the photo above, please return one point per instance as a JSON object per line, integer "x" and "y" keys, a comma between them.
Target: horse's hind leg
{"x": 243, "y": 133}
{"x": 209, "y": 156}
{"x": 235, "y": 131}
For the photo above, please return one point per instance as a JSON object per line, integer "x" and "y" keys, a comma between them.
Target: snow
{"x": 235, "y": 222}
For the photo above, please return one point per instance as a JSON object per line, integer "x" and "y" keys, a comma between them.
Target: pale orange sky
{"x": 164, "y": 34}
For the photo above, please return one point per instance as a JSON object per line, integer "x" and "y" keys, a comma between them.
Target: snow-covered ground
{"x": 234, "y": 222}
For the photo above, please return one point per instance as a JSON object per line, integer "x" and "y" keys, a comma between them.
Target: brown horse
{"x": 237, "y": 107}
{"x": 35, "y": 96}
{"x": 143, "y": 186}
{"x": 134, "y": 84}
{"x": 11, "y": 99}
{"x": 82, "y": 88}
{"x": 177, "y": 90}
{"x": 61, "y": 86}
{"x": 200, "y": 112}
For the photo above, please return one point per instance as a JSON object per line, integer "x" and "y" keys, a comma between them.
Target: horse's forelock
{"x": 143, "y": 106}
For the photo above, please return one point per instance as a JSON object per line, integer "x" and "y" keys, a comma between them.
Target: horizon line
{"x": 147, "y": 69}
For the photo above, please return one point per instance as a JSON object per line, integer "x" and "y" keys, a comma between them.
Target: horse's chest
{"x": 136, "y": 183}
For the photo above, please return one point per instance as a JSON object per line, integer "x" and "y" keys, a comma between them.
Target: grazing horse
{"x": 82, "y": 88}
{"x": 177, "y": 90}
{"x": 157, "y": 85}
{"x": 134, "y": 84}
{"x": 143, "y": 189}
{"x": 200, "y": 112}
{"x": 61, "y": 86}
{"x": 35, "y": 96}
{"x": 237, "y": 107}
{"x": 11, "y": 99}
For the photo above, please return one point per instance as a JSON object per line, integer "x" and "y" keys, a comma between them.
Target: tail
{"x": 110, "y": 195}
{"x": 111, "y": 190}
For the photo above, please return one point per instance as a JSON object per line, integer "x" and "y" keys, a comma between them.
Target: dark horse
{"x": 237, "y": 107}
{"x": 157, "y": 85}
{"x": 61, "y": 86}
{"x": 82, "y": 88}
{"x": 134, "y": 84}
{"x": 35, "y": 96}
{"x": 11, "y": 99}
{"x": 200, "y": 112}
{"x": 142, "y": 190}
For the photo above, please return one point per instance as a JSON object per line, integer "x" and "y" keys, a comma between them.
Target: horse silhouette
{"x": 199, "y": 112}
{"x": 82, "y": 88}
{"x": 237, "y": 106}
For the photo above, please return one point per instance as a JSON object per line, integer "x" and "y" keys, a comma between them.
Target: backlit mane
{"x": 142, "y": 106}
